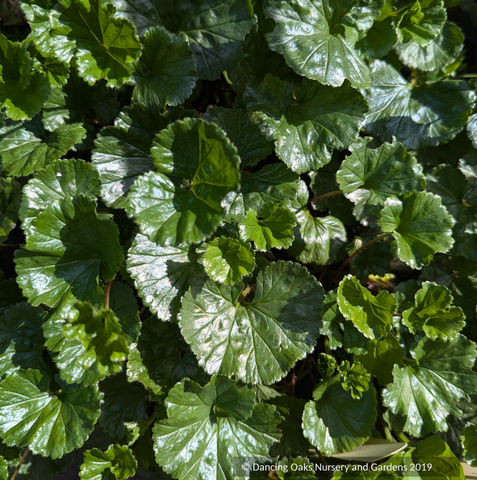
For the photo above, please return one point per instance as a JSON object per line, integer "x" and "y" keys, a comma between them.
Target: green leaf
{"x": 331, "y": 321}
{"x": 260, "y": 339}
{"x": 433, "y": 314}
{"x": 326, "y": 420}
{"x": 226, "y": 260}
{"x": 355, "y": 378}
{"x": 61, "y": 180}
{"x": 318, "y": 240}
{"x": 417, "y": 116}
{"x": 100, "y": 335}
{"x": 420, "y": 226}
{"x": 104, "y": 47}
{"x": 214, "y": 29}
{"x": 28, "y": 147}
{"x": 273, "y": 183}
{"x": 161, "y": 78}
{"x": 122, "y": 302}
{"x": 427, "y": 391}
{"x": 21, "y": 339}
{"x": 271, "y": 228}
{"x": 50, "y": 423}
{"x": 23, "y": 86}
{"x": 226, "y": 418}
{"x": 469, "y": 441}
{"x": 371, "y": 315}
{"x": 121, "y": 152}
{"x": 440, "y": 53}
{"x": 369, "y": 176}
{"x": 10, "y": 197}
{"x": 161, "y": 274}
{"x": 251, "y": 145}
{"x": 63, "y": 259}
{"x": 299, "y": 468}
{"x": 379, "y": 40}
{"x": 310, "y": 35}
{"x": 381, "y": 356}
{"x": 116, "y": 462}
{"x": 198, "y": 152}
{"x": 306, "y": 121}
{"x": 327, "y": 365}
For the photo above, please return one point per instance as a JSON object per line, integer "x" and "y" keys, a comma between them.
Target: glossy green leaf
{"x": 326, "y": 420}
{"x": 214, "y": 29}
{"x": 354, "y": 378}
{"x": 433, "y": 314}
{"x": 369, "y": 176}
{"x": 427, "y": 391}
{"x": 417, "y": 116}
{"x": 50, "y": 423}
{"x": 306, "y": 121}
{"x": 60, "y": 180}
{"x": 23, "y": 86}
{"x": 116, "y": 462}
{"x": 10, "y": 197}
{"x": 371, "y": 315}
{"x": 226, "y": 260}
{"x": 198, "y": 152}
{"x": 271, "y": 227}
{"x": 62, "y": 259}
{"x": 469, "y": 441}
{"x": 226, "y": 418}
{"x": 161, "y": 78}
{"x": 331, "y": 320}
{"x": 420, "y": 226}
{"x": 259, "y": 338}
{"x": 28, "y": 147}
{"x": 310, "y": 36}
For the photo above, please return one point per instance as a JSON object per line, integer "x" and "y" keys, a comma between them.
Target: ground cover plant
{"x": 237, "y": 231}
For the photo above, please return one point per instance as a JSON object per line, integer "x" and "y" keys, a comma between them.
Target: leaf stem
{"x": 325, "y": 195}
{"x": 322, "y": 458}
{"x": 25, "y": 453}
{"x": 360, "y": 249}
{"x": 402, "y": 437}
{"x": 107, "y": 290}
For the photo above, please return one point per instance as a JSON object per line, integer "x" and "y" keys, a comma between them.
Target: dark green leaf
{"x": 10, "y": 197}
{"x": 469, "y": 441}
{"x": 116, "y": 462}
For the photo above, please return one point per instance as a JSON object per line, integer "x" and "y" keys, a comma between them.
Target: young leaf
{"x": 227, "y": 260}
{"x": 326, "y": 420}
{"x": 427, "y": 391}
{"x": 371, "y": 315}
{"x": 469, "y": 441}
{"x": 368, "y": 177}
{"x": 227, "y": 419}
{"x": 50, "y": 423}
{"x": 355, "y": 378}
{"x": 307, "y": 121}
{"x": 258, "y": 340}
{"x": 420, "y": 226}
{"x": 161, "y": 78}
{"x": 116, "y": 462}
{"x": 272, "y": 228}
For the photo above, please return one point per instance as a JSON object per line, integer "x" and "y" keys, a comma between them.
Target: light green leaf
{"x": 251, "y": 145}
{"x": 417, "y": 116}
{"x": 326, "y": 420}
{"x": 161, "y": 274}
{"x": 331, "y": 321}
{"x": 304, "y": 122}
{"x": 28, "y": 147}
{"x": 355, "y": 378}
{"x": 226, "y": 418}
{"x": 226, "y": 260}
{"x": 271, "y": 228}
{"x": 104, "y": 47}
{"x": 198, "y": 152}
{"x": 161, "y": 78}
{"x": 310, "y": 36}
{"x": 420, "y": 226}
{"x": 214, "y": 29}
{"x": 469, "y": 441}
{"x": 23, "y": 86}
{"x": 63, "y": 259}
{"x": 50, "y": 423}
{"x": 371, "y": 315}
{"x": 427, "y": 391}
{"x": 369, "y": 176}
{"x": 116, "y": 462}
{"x": 10, "y": 196}
{"x": 60, "y": 180}
{"x": 433, "y": 314}
{"x": 259, "y": 339}
{"x": 440, "y": 53}
{"x": 318, "y": 240}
